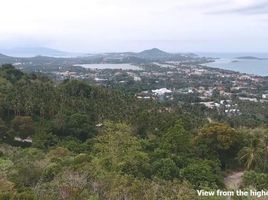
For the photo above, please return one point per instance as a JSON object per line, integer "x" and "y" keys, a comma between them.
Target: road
{"x": 234, "y": 180}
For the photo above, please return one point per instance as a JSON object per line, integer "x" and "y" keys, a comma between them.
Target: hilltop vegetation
{"x": 72, "y": 140}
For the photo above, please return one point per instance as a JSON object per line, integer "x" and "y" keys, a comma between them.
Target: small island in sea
{"x": 250, "y": 58}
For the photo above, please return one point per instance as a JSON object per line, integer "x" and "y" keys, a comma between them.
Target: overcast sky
{"x": 133, "y": 25}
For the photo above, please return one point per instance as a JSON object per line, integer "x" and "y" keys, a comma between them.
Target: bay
{"x": 231, "y": 61}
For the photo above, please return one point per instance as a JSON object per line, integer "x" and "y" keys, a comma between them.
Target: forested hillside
{"x": 72, "y": 141}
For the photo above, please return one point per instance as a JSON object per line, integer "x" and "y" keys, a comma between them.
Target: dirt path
{"x": 234, "y": 180}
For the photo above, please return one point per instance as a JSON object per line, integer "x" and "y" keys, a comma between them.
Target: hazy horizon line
{"x": 125, "y": 51}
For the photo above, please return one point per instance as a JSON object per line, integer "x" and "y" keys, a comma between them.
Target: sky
{"x": 133, "y": 25}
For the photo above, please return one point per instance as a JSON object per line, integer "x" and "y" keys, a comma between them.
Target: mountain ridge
{"x": 36, "y": 51}
{"x": 43, "y": 53}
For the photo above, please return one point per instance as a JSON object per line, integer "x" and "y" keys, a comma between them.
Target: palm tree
{"x": 251, "y": 155}
{"x": 264, "y": 149}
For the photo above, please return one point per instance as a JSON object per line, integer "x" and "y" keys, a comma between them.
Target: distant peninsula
{"x": 250, "y": 58}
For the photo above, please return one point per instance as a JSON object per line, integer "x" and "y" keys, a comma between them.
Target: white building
{"x": 162, "y": 91}
{"x": 265, "y": 96}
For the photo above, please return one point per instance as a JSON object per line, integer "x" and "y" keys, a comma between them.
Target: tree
{"x": 217, "y": 136}
{"x": 176, "y": 139}
{"x": 251, "y": 156}
{"x": 27, "y": 174}
{"x": 81, "y": 126}
{"x": 3, "y": 130}
{"x": 75, "y": 88}
{"x": 216, "y": 140}
{"x": 254, "y": 154}
{"x": 5, "y": 89}
{"x": 10, "y": 73}
{"x": 23, "y": 125}
{"x": 264, "y": 147}
{"x": 44, "y": 140}
{"x": 203, "y": 174}
{"x": 67, "y": 184}
{"x": 165, "y": 168}
{"x": 117, "y": 151}
{"x": 78, "y": 125}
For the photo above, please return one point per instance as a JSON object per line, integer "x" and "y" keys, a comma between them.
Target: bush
{"x": 165, "y": 169}
{"x": 203, "y": 174}
{"x": 257, "y": 180}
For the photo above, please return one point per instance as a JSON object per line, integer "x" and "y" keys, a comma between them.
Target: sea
{"x": 230, "y": 61}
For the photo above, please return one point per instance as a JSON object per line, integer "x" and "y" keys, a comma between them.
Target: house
{"x": 265, "y": 96}
{"x": 161, "y": 92}
{"x": 248, "y": 99}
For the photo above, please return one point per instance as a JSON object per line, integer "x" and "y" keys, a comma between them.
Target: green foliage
{"x": 116, "y": 150}
{"x": 3, "y": 130}
{"x": 23, "y": 126}
{"x": 203, "y": 174}
{"x": 254, "y": 154}
{"x": 58, "y": 153}
{"x": 50, "y": 171}
{"x": 81, "y": 126}
{"x": 26, "y": 175}
{"x": 126, "y": 187}
{"x": 5, "y": 164}
{"x": 44, "y": 140}
{"x": 5, "y": 88}
{"x": 216, "y": 136}
{"x": 256, "y": 180}
{"x": 217, "y": 141}
{"x": 251, "y": 156}
{"x": 165, "y": 168}
{"x": 78, "y": 125}
{"x": 10, "y": 73}
{"x": 98, "y": 143}
{"x": 176, "y": 139}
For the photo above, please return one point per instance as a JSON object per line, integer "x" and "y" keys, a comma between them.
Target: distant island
{"x": 250, "y": 58}
{"x": 235, "y": 61}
